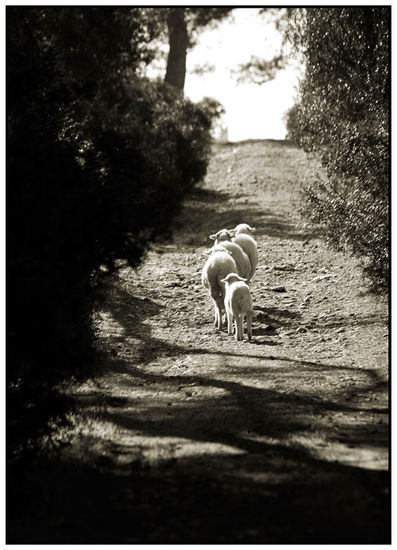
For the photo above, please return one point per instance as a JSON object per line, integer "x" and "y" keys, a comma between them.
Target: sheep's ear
{"x": 213, "y": 237}
{"x": 242, "y": 278}
{"x": 224, "y": 280}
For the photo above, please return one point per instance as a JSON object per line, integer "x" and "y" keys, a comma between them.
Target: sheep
{"x": 218, "y": 265}
{"x": 241, "y": 235}
{"x": 238, "y": 304}
{"x": 244, "y": 228}
{"x": 243, "y": 263}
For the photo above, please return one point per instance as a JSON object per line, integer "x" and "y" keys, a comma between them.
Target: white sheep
{"x": 217, "y": 267}
{"x": 238, "y": 304}
{"x": 243, "y": 237}
{"x": 243, "y": 263}
{"x": 244, "y": 228}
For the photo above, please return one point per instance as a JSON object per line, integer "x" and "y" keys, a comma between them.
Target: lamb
{"x": 238, "y": 304}
{"x": 218, "y": 265}
{"x": 243, "y": 263}
{"x": 243, "y": 237}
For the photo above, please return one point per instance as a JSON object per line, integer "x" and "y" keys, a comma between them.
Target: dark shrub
{"x": 96, "y": 170}
{"x": 343, "y": 117}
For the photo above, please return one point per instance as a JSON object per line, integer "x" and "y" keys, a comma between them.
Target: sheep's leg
{"x": 229, "y": 322}
{"x": 239, "y": 327}
{"x": 253, "y": 267}
{"x": 218, "y": 306}
{"x": 254, "y": 261}
{"x": 249, "y": 326}
{"x": 220, "y": 313}
{"x": 218, "y": 317}
{"x": 216, "y": 314}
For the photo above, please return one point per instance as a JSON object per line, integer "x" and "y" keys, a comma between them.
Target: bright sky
{"x": 252, "y": 111}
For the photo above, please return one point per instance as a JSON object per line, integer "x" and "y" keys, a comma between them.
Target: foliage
{"x": 343, "y": 116}
{"x": 212, "y": 107}
{"x": 260, "y": 71}
{"x": 291, "y": 119}
{"x": 98, "y": 162}
{"x": 205, "y": 17}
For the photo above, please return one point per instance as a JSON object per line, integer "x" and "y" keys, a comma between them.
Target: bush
{"x": 292, "y": 123}
{"x": 343, "y": 117}
{"x": 95, "y": 172}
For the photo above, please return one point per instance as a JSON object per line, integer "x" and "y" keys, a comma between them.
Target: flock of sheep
{"x": 230, "y": 266}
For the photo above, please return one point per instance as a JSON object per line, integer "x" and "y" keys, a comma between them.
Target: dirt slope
{"x": 189, "y": 436}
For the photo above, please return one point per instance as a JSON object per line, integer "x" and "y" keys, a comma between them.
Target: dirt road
{"x": 188, "y": 436}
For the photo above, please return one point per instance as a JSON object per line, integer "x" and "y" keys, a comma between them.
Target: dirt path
{"x": 202, "y": 439}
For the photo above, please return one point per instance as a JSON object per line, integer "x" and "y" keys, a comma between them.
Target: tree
{"x": 178, "y": 44}
{"x": 183, "y": 25}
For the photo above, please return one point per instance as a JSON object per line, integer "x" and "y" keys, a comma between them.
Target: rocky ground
{"x": 187, "y": 436}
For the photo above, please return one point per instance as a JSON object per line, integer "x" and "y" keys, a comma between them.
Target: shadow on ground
{"x": 203, "y": 216}
{"x": 275, "y": 493}
{"x": 276, "y": 488}
{"x": 192, "y": 501}
{"x": 277, "y": 142}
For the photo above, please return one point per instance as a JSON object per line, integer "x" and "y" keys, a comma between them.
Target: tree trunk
{"x": 178, "y": 41}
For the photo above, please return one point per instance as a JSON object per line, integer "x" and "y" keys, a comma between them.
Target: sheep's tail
{"x": 217, "y": 290}
{"x": 252, "y": 313}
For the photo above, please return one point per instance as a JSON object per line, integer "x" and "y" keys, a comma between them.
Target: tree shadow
{"x": 203, "y": 215}
{"x": 263, "y": 341}
{"x": 264, "y": 331}
{"x": 368, "y": 320}
{"x": 208, "y": 196}
{"x": 269, "y": 313}
{"x": 201, "y": 499}
{"x": 131, "y": 313}
{"x": 200, "y": 221}
{"x": 247, "y": 462}
{"x": 256, "y": 474}
{"x": 151, "y": 348}
{"x": 278, "y": 142}
{"x": 250, "y": 475}
{"x": 279, "y": 226}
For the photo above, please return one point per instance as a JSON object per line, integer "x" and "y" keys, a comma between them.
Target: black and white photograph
{"x": 197, "y": 274}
